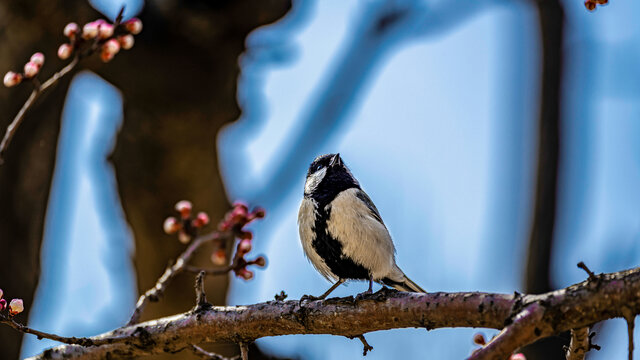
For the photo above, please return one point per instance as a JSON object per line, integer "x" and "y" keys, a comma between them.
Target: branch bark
{"x": 522, "y": 318}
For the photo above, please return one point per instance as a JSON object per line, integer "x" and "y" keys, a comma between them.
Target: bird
{"x": 342, "y": 232}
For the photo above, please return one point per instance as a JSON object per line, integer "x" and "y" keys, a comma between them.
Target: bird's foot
{"x": 363, "y": 295}
{"x": 309, "y": 298}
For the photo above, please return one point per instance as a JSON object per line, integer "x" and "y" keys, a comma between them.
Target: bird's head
{"x": 328, "y": 173}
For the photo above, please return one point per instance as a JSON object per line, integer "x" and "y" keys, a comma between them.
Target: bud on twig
{"x": 126, "y": 41}
{"x": 171, "y": 225}
{"x": 244, "y": 246}
{"x": 105, "y": 31}
{"x": 64, "y": 51}
{"x": 71, "y": 30}
{"x": 37, "y": 58}
{"x": 219, "y": 257}
{"x": 90, "y": 30}
{"x": 3, "y": 304}
{"x": 184, "y": 208}
{"x": 12, "y": 79}
{"x": 133, "y": 25}
{"x": 31, "y": 69}
{"x": 16, "y": 306}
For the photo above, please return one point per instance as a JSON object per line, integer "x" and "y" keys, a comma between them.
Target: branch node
{"x": 201, "y": 297}
{"x": 366, "y": 347}
{"x": 584, "y": 267}
{"x": 244, "y": 350}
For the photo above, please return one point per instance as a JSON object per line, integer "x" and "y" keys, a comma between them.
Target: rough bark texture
{"x": 522, "y": 318}
{"x": 179, "y": 87}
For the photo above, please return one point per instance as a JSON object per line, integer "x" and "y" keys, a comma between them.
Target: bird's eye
{"x": 317, "y": 167}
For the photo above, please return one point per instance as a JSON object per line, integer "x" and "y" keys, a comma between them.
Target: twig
{"x": 579, "y": 344}
{"x": 584, "y": 267}
{"x": 244, "y": 350}
{"x": 83, "y": 341}
{"x": 201, "y": 297}
{"x": 630, "y": 318}
{"x": 365, "y": 344}
{"x": 37, "y": 91}
{"x": 593, "y": 346}
{"x": 156, "y": 292}
{"x": 197, "y": 270}
{"x": 197, "y": 350}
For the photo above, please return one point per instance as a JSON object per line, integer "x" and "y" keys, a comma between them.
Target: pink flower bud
{"x": 238, "y": 216}
{"x": 126, "y": 41}
{"x": 71, "y": 30}
{"x": 111, "y": 46}
{"x": 184, "y": 208}
{"x": 245, "y": 274}
{"x": 244, "y": 246}
{"x": 171, "y": 225}
{"x": 90, "y": 30}
{"x": 106, "y": 56}
{"x": 16, "y": 306}
{"x": 31, "y": 69}
{"x": 183, "y": 237}
{"x": 3, "y": 304}
{"x": 219, "y": 257}
{"x": 1, "y": 293}
{"x": 201, "y": 220}
{"x": 12, "y": 79}
{"x": 37, "y": 58}
{"x": 133, "y": 25}
{"x": 105, "y": 31}
{"x": 242, "y": 205}
{"x": 260, "y": 261}
{"x": 64, "y": 51}
{"x": 245, "y": 235}
{"x": 518, "y": 356}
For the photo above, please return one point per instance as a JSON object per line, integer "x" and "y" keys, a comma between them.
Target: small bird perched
{"x": 342, "y": 232}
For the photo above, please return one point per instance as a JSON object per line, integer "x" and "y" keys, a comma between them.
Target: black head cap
{"x": 328, "y": 176}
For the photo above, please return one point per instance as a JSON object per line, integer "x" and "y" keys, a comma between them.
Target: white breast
{"x": 306, "y": 221}
{"x": 364, "y": 239}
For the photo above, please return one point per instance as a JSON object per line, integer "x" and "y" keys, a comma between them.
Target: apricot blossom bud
{"x": 12, "y": 79}
{"x": 245, "y": 235}
{"x": 518, "y": 356}
{"x": 479, "y": 339}
{"x": 126, "y": 41}
{"x": 3, "y": 304}
{"x": 105, "y": 31}
{"x": 244, "y": 246}
{"x": 37, "y": 58}
{"x": 133, "y": 25}
{"x": 260, "y": 261}
{"x": 90, "y": 30}
{"x": 70, "y": 30}
{"x": 1, "y": 293}
{"x": 64, "y": 51}
{"x": 201, "y": 219}
{"x": 106, "y": 56}
{"x": 31, "y": 69}
{"x": 219, "y": 257}
{"x": 245, "y": 274}
{"x": 171, "y": 225}
{"x": 184, "y": 208}
{"x": 259, "y": 213}
{"x": 16, "y": 306}
{"x": 111, "y": 46}
{"x": 183, "y": 237}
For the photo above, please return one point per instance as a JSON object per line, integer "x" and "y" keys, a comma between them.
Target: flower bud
{"x": 64, "y": 51}
{"x": 479, "y": 339}
{"x": 518, "y": 356}
{"x": 183, "y": 237}
{"x": 245, "y": 274}
{"x": 37, "y": 58}
{"x": 259, "y": 213}
{"x": 238, "y": 216}
{"x": 90, "y": 30}
{"x": 171, "y": 225}
{"x": 245, "y": 235}
{"x": 590, "y": 5}
{"x": 242, "y": 205}
{"x": 3, "y": 304}
{"x": 105, "y": 31}
{"x": 201, "y": 219}
{"x": 260, "y": 261}
{"x": 1, "y": 293}
{"x": 184, "y": 208}
{"x": 16, "y": 306}
{"x": 244, "y": 246}
{"x": 106, "y": 56}
{"x": 219, "y": 257}
{"x": 12, "y": 79}
{"x": 111, "y": 46}
{"x": 70, "y": 30}
{"x": 133, "y": 25}
{"x": 126, "y": 41}
{"x": 31, "y": 69}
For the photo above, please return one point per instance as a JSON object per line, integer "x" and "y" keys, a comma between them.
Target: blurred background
{"x": 499, "y": 140}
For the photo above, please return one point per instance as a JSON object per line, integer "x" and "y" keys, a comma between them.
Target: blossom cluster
{"x": 14, "y": 307}
{"x": 100, "y": 35}
{"x": 233, "y": 224}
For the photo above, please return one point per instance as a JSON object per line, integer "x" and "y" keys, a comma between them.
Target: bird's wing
{"x": 372, "y": 207}
{"x": 356, "y": 223}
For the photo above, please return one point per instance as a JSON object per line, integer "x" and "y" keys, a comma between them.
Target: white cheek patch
{"x": 314, "y": 180}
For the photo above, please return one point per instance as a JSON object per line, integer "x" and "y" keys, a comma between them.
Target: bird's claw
{"x": 309, "y": 298}
{"x": 363, "y": 295}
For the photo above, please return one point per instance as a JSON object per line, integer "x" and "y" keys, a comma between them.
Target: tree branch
{"x": 524, "y": 318}
{"x": 579, "y": 344}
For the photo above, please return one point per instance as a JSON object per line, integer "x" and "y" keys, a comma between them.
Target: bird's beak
{"x": 335, "y": 160}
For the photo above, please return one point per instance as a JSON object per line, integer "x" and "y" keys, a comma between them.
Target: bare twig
{"x": 529, "y": 317}
{"x": 584, "y": 267}
{"x": 579, "y": 345}
{"x": 201, "y": 297}
{"x": 630, "y": 317}
{"x": 197, "y": 350}
{"x": 170, "y": 273}
{"x": 244, "y": 351}
{"x": 365, "y": 344}
{"x": 197, "y": 270}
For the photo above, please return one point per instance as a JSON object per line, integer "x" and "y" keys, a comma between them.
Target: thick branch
{"x": 607, "y": 296}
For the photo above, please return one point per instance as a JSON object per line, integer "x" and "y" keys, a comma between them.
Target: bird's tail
{"x": 405, "y": 285}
